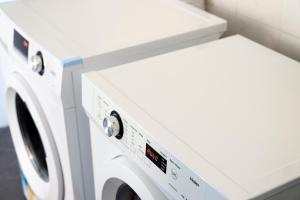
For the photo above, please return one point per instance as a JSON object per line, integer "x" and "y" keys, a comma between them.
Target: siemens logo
{"x": 194, "y": 181}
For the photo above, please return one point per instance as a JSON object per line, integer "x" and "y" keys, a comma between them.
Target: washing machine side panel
{"x": 70, "y": 85}
{"x": 71, "y": 101}
{"x": 85, "y": 152}
{"x": 75, "y": 163}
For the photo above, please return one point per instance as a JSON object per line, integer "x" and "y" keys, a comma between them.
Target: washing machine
{"x": 185, "y": 125}
{"x": 48, "y": 44}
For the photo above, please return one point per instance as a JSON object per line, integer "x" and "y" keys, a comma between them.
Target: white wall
{"x": 198, "y": 3}
{"x": 3, "y": 117}
{"x": 273, "y": 23}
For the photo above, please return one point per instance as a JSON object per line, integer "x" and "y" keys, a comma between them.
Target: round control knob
{"x": 113, "y": 126}
{"x": 37, "y": 63}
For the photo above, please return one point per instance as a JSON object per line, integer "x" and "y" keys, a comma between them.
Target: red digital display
{"x": 156, "y": 158}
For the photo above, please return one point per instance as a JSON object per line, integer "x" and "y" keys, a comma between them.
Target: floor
{"x": 10, "y": 184}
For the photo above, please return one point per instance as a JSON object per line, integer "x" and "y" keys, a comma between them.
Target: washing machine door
{"x": 121, "y": 179}
{"x": 33, "y": 140}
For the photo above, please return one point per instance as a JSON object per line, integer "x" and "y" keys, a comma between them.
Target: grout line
{"x": 236, "y": 15}
{"x": 290, "y": 34}
{"x": 281, "y": 24}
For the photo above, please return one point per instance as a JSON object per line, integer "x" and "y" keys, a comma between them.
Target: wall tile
{"x": 232, "y": 22}
{"x": 265, "y": 11}
{"x": 273, "y": 23}
{"x": 290, "y": 46}
{"x": 259, "y": 32}
{"x": 229, "y": 5}
{"x": 291, "y": 17}
{"x": 197, "y": 3}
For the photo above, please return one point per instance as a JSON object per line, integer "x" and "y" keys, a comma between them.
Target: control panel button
{"x": 174, "y": 174}
{"x": 124, "y": 141}
{"x": 140, "y": 154}
{"x": 132, "y": 149}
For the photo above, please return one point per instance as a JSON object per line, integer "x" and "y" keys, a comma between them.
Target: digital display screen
{"x": 156, "y": 158}
{"x": 21, "y": 43}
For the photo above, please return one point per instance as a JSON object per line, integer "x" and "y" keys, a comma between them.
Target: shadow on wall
{"x": 273, "y": 23}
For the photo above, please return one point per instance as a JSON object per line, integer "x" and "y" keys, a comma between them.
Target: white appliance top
{"x": 102, "y": 26}
{"x": 232, "y": 102}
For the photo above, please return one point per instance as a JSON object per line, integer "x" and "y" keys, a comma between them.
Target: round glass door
{"x": 116, "y": 189}
{"x": 125, "y": 192}
{"x": 121, "y": 179}
{"x": 32, "y": 139}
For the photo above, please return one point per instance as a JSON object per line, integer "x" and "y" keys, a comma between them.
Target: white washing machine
{"x": 48, "y": 44}
{"x": 186, "y": 125}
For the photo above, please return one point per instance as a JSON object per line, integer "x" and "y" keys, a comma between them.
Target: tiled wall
{"x": 273, "y": 23}
{"x": 198, "y": 3}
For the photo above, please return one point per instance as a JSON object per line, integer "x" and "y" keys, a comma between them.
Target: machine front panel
{"x": 160, "y": 165}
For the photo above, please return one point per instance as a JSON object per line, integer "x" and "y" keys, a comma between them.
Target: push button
{"x": 174, "y": 174}
{"x": 140, "y": 154}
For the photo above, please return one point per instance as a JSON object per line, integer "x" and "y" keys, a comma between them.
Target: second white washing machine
{"x": 48, "y": 44}
{"x": 212, "y": 122}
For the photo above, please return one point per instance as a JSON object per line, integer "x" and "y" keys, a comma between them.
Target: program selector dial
{"x": 113, "y": 125}
{"x": 37, "y": 63}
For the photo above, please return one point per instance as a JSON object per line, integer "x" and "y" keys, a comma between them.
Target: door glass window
{"x": 125, "y": 192}
{"x": 116, "y": 189}
{"x": 31, "y": 138}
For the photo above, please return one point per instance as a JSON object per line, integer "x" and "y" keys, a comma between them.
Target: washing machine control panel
{"x": 164, "y": 168}
{"x": 29, "y": 57}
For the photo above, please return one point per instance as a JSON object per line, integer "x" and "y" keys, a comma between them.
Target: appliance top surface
{"x": 102, "y": 26}
{"x": 233, "y": 102}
